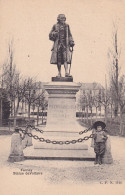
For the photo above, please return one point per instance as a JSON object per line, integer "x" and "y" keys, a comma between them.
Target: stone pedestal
{"x": 16, "y": 153}
{"x": 61, "y": 123}
{"x": 61, "y": 114}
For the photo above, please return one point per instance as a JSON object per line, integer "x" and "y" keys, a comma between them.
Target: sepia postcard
{"x": 62, "y": 97}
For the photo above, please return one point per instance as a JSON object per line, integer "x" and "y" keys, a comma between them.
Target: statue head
{"x": 61, "y": 18}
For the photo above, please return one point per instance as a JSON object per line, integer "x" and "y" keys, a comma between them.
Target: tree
{"x": 14, "y": 89}
{"x": 103, "y": 99}
{"x": 10, "y": 76}
{"x": 111, "y": 103}
{"x": 82, "y": 102}
{"x": 41, "y": 102}
{"x": 5, "y": 107}
{"x": 96, "y": 103}
{"x": 19, "y": 90}
{"x": 114, "y": 55}
{"x": 121, "y": 100}
{"x": 90, "y": 102}
{"x": 32, "y": 93}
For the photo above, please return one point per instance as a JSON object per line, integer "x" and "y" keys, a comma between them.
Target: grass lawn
{"x": 113, "y": 126}
{"x": 5, "y": 132}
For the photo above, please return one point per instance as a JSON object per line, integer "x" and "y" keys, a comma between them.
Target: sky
{"x": 28, "y": 23}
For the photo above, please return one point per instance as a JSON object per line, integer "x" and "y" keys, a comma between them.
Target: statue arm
{"x": 71, "y": 41}
{"x": 53, "y": 34}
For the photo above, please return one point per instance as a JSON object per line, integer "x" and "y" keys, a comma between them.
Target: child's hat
{"x": 99, "y": 123}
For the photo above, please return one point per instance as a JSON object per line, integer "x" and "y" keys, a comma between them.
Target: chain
{"x": 41, "y": 131}
{"x": 34, "y": 128}
{"x": 85, "y": 131}
{"x": 41, "y": 139}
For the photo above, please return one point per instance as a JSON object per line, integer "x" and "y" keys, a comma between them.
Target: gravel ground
{"x": 64, "y": 173}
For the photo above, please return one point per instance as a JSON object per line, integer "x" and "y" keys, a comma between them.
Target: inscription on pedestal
{"x": 61, "y": 110}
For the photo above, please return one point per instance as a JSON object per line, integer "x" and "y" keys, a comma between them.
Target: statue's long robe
{"x": 54, "y": 38}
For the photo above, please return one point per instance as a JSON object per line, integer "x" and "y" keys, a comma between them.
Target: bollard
{"x": 27, "y": 141}
{"x": 16, "y": 153}
{"x": 107, "y": 158}
{"x": 24, "y": 142}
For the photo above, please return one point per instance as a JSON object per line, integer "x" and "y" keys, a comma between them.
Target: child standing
{"x": 100, "y": 137}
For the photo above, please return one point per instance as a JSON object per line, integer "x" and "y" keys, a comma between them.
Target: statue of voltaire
{"x": 63, "y": 43}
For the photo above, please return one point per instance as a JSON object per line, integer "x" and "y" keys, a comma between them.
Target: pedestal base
{"x": 78, "y": 150}
{"x": 62, "y": 79}
{"x": 43, "y": 150}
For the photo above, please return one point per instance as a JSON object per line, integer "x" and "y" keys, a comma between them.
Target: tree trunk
{"x": 11, "y": 106}
{"x": 87, "y": 114}
{"x": 111, "y": 115}
{"x": 116, "y": 75}
{"x": 91, "y": 116}
{"x": 82, "y": 115}
{"x": 105, "y": 114}
{"x": 121, "y": 122}
{"x": 42, "y": 117}
{"x": 1, "y": 112}
{"x": 29, "y": 111}
{"x": 96, "y": 113}
{"x": 15, "y": 113}
{"x": 111, "y": 111}
{"x": 38, "y": 116}
{"x": 22, "y": 108}
{"x": 100, "y": 112}
{"x": 14, "y": 122}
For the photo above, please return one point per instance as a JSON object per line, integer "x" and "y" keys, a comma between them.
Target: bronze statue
{"x": 63, "y": 45}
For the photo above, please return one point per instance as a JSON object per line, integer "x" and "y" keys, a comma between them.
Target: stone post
{"x": 107, "y": 158}
{"x": 27, "y": 141}
{"x": 16, "y": 153}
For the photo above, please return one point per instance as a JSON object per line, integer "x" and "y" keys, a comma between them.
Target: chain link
{"x": 34, "y": 128}
{"x": 73, "y": 141}
{"x": 85, "y": 131}
{"x": 41, "y": 139}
